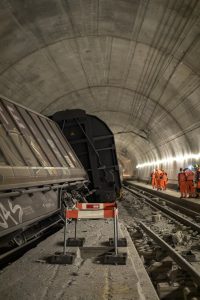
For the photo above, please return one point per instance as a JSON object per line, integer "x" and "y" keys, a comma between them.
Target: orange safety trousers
{"x": 165, "y": 180}
{"x": 183, "y": 187}
{"x": 190, "y": 187}
{"x": 158, "y": 180}
{"x": 158, "y": 183}
{"x": 153, "y": 181}
{"x": 182, "y": 184}
{"x": 162, "y": 183}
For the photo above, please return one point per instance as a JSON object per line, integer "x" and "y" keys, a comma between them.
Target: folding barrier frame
{"x": 93, "y": 211}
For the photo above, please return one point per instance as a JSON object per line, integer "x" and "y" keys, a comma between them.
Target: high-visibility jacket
{"x": 189, "y": 175}
{"x": 182, "y": 181}
{"x": 182, "y": 177}
{"x": 158, "y": 174}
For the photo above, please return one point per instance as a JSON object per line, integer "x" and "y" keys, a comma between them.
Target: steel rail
{"x": 185, "y": 210}
{"x": 173, "y": 254}
{"x": 167, "y": 211}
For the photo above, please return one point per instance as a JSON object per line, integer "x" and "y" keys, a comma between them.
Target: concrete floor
{"x": 32, "y": 278}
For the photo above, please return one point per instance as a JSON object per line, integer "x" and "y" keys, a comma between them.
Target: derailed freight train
{"x": 94, "y": 144}
{"x": 36, "y": 165}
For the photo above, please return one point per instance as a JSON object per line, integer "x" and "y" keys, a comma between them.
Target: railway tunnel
{"x": 135, "y": 65}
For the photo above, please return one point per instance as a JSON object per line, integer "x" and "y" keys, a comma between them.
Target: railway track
{"x": 18, "y": 248}
{"x": 178, "y": 206}
{"x": 173, "y": 253}
{"x": 159, "y": 232}
{"x": 185, "y": 218}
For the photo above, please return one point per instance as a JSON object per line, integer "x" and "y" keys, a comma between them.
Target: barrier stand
{"x": 92, "y": 211}
{"x": 99, "y": 211}
{"x": 122, "y": 242}
{"x": 64, "y": 258}
{"x": 75, "y": 242}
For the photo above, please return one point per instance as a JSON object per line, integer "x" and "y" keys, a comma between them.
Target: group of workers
{"x": 188, "y": 181}
{"x": 159, "y": 179}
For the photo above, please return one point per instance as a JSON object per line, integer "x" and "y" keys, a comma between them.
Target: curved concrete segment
{"x": 135, "y": 64}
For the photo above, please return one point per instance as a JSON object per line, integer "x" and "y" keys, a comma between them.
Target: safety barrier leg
{"x": 90, "y": 211}
{"x": 75, "y": 229}
{"x": 65, "y": 233}
{"x": 64, "y": 258}
{"x": 115, "y": 258}
{"x": 117, "y": 242}
{"x": 115, "y": 231}
{"x": 75, "y": 242}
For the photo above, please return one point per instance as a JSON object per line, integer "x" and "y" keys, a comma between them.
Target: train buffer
{"x": 92, "y": 211}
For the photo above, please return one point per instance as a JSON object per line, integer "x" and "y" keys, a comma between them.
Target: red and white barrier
{"x": 96, "y": 205}
{"x": 93, "y": 211}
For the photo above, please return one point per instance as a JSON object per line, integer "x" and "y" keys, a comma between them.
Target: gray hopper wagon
{"x": 36, "y": 165}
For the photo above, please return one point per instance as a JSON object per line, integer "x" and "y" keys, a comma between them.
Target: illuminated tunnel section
{"x": 134, "y": 64}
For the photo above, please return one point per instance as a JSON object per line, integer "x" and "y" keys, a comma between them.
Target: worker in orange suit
{"x": 158, "y": 178}
{"x": 164, "y": 180}
{"x": 182, "y": 182}
{"x": 190, "y": 183}
{"x": 153, "y": 179}
{"x": 162, "y": 183}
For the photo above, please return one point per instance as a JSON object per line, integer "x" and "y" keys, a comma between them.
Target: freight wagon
{"x": 37, "y": 165}
{"x": 94, "y": 144}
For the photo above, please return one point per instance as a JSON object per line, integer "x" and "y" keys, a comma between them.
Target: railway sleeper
{"x": 168, "y": 274}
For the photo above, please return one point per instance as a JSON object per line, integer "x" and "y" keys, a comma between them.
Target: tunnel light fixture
{"x": 178, "y": 158}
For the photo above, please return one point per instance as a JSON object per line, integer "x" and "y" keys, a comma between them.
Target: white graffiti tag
{"x": 6, "y": 214}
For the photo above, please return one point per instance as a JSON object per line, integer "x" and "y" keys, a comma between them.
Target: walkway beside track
{"x": 169, "y": 194}
{"x": 30, "y": 277}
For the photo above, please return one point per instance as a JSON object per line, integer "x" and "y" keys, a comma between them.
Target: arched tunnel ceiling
{"x": 133, "y": 63}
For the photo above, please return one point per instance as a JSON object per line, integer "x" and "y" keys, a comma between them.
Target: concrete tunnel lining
{"x": 130, "y": 62}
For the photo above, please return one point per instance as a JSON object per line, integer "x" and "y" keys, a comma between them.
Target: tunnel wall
{"x": 134, "y": 64}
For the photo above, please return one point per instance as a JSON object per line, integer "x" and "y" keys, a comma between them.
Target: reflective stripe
{"x": 95, "y": 205}
{"x": 88, "y": 214}
{"x": 92, "y": 211}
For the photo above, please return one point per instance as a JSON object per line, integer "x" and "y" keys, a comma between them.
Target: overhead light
{"x": 178, "y": 158}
